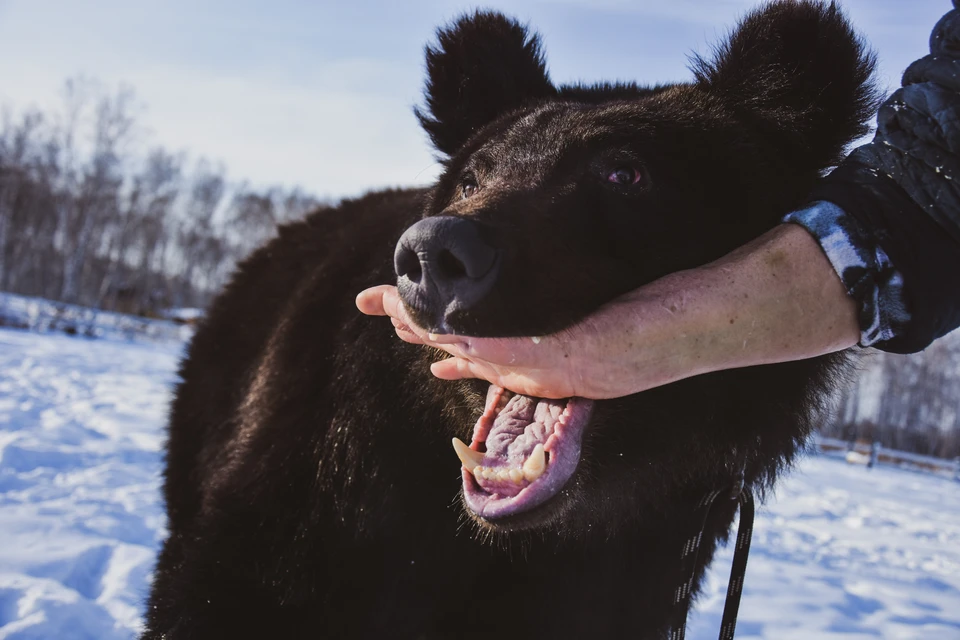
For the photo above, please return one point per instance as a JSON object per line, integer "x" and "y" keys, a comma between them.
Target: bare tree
{"x": 89, "y": 198}
{"x": 915, "y": 406}
{"x": 85, "y": 218}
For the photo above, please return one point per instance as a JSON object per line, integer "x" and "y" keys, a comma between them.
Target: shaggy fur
{"x": 310, "y": 484}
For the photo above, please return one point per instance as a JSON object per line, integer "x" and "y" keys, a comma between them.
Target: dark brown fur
{"x": 311, "y": 487}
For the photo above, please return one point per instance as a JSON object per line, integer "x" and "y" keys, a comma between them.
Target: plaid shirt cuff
{"x": 864, "y": 268}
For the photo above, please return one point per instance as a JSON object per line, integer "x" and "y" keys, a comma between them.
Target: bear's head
{"x": 556, "y": 199}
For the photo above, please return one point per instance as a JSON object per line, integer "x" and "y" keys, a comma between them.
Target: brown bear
{"x": 311, "y": 487}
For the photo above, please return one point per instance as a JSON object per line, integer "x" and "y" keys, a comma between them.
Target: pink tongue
{"x": 544, "y": 434}
{"x": 520, "y": 426}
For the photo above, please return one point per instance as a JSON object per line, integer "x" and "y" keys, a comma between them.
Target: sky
{"x": 320, "y": 94}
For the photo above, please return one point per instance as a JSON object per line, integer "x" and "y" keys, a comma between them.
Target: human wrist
{"x": 784, "y": 300}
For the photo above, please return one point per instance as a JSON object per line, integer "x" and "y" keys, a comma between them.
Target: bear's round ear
{"x": 800, "y": 73}
{"x": 483, "y": 66}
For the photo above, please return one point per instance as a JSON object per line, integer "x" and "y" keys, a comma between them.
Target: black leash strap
{"x": 688, "y": 560}
{"x": 739, "y": 568}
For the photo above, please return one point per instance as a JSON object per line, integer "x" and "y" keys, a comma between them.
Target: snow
{"x": 183, "y": 314}
{"x": 839, "y": 552}
{"x": 39, "y": 314}
{"x": 81, "y": 436}
{"x": 842, "y": 551}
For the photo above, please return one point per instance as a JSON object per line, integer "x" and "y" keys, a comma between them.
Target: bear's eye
{"x": 625, "y": 175}
{"x": 467, "y": 188}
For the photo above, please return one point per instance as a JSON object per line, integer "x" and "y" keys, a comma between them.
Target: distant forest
{"x": 91, "y": 215}
{"x": 905, "y": 402}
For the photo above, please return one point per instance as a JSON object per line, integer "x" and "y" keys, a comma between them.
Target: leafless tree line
{"x": 910, "y": 403}
{"x": 87, "y": 216}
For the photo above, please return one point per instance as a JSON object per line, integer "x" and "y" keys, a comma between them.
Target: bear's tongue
{"x": 524, "y": 449}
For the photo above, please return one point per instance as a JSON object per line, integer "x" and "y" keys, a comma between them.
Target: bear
{"x": 310, "y": 483}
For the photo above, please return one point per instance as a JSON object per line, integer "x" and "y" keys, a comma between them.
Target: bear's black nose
{"x": 444, "y": 264}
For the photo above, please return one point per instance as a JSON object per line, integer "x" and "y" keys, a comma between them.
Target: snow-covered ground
{"x": 843, "y": 551}
{"x": 40, "y": 314}
{"x": 839, "y": 552}
{"x": 81, "y": 437}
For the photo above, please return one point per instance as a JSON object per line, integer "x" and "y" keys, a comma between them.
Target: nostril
{"x": 445, "y": 263}
{"x": 408, "y": 264}
{"x": 450, "y": 267}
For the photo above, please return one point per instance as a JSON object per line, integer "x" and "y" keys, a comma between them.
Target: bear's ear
{"x": 483, "y": 66}
{"x": 797, "y": 70}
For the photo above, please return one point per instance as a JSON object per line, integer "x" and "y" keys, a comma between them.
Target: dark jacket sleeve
{"x": 904, "y": 188}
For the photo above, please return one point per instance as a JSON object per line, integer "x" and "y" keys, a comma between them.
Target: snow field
{"x": 842, "y": 551}
{"x": 80, "y": 455}
{"x": 839, "y": 552}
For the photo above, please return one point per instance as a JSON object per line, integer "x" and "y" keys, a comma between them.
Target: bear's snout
{"x": 445, "y": 264}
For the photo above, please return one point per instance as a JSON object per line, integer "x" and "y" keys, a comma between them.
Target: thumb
{"x": 371, "y": 301}
{"x": 459, "y": 368}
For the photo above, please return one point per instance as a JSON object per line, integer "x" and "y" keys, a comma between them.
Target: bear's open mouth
{"x": 523, "y": 452}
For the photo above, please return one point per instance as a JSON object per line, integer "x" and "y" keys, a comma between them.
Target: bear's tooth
{"x": 493, "y": 402}
{"x": 468, "y": 456}
{"x": 516, "y": 476}
{"x": 535, "y": 464}
{"x": 503, "y": 474}
{"x": 551, "y": 442}
{"x": 478, "y": 472}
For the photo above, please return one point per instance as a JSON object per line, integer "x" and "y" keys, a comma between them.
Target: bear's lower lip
{"x": 524, "y": 450}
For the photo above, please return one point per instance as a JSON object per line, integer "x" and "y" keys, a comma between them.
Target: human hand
{"x": 540, "y": 367}
{"x": 600, "y": 357}
{"x": 775, "y": 299}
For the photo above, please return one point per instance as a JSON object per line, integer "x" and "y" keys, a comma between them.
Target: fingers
{"x": 405, "y": 333}
{"x": 383, "y": 300}
{"x": 516, "y": 381}
{"x": 445, "y": 338}
{"x": 461, "y": 368}
{"x": 371, "y": 301}
{"x": 511, "y": 352}
{"x": 490, "y": 359}
{"x": 455, "y": 369}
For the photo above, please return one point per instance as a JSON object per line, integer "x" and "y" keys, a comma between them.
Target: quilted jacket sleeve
{"x": 889, "y": 216}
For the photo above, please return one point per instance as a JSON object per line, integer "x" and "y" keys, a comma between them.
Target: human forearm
{"x": 775, "y": 299}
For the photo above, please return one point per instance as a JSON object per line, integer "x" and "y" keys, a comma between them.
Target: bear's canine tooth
{"x": 534, "y": 466}
{"x": 468, "y": 456}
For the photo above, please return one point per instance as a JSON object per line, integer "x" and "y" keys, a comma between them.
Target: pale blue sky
{"x": 319, "y": 94}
